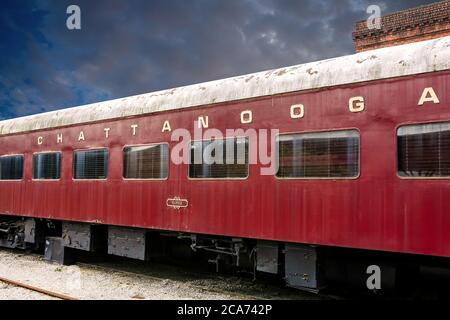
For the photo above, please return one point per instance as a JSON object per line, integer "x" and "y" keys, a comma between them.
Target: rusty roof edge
{"x": 404, "y": 60}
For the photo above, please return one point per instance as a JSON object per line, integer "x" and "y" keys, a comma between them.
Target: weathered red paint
{"x": 377, "y": 211}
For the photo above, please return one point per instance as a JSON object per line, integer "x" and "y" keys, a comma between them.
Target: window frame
{"x": 321, "y": 178}
{"x": 220, "y": 179}
{"x": 90, "y": 149}
{"x": 407, "y": 124}
{"x": 146, "y": 145}
{"x": 23, "y": 166}
{"x": 46, "y": 152}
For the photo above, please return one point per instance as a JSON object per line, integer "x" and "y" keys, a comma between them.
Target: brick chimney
{"x": 411, "y": 25}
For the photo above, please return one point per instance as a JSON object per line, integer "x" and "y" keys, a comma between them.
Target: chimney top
{"x": 411, "y": 25}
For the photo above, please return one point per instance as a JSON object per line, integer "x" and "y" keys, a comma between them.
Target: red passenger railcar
{"x": 362, "y": 150}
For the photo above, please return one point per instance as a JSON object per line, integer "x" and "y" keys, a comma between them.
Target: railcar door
{"x": 176, "y": 200}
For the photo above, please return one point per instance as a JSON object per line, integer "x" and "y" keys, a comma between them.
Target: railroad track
{"x": 110, "y": 269}
{"x": 234, "y": 287}
{"x": 37, "y": 289}
{"x": 234, "y": 293}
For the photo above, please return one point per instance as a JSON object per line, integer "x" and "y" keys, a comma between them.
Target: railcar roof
{"x": 404, "y": 60}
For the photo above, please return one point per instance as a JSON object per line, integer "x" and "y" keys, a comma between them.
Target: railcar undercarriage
{"x": 24, "y": 233}
{"x": 304, "y": 267}
{"x": 12, "y": 234}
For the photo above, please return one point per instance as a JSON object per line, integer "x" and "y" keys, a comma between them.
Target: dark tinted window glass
{"x": 225, "y": 158}
{"x": 47, "y": 166}
{"x": 146, "y": 162}
{"x": 319, "y": 155}
{"x": 424, "y": 150}
{"x": 90, "y": 164}
{"x": 11, "y": 168}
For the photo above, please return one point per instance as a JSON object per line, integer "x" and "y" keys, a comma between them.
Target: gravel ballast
{"x": 88, "y": 283}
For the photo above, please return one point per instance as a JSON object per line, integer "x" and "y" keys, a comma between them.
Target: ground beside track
{"x": 9, "y": 292}
{"x": 124, "y": 279}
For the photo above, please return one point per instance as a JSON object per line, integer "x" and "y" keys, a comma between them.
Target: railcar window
{"x": 219, "y": 159}
{"x": 90, "y": 164}
{"x": 320, "y": 155}
{"x": 424, "y": 150}
{"x": 11, "y": 167}
{"x": 47, "y": 166}
{"x": 146, "y": 162}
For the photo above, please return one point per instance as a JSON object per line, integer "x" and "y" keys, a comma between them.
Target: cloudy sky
{"x": 128, "y": 47}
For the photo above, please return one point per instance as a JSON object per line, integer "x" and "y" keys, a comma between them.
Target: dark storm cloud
{"x": 132, "y": 47}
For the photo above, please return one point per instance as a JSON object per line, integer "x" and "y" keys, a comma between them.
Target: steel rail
{"x": 36, "y": 289}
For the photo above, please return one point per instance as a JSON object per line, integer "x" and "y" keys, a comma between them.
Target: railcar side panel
{"x": 378, "y": 210}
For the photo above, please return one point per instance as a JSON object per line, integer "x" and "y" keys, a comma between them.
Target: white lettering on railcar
{"x": 297, "y": 111}
{"x": 59, "y": 138}
{"x": 428, "y": 95}
{"x": 356, "y": 104}
{"x": 81, "y": 136}
{"x": 107, "y": 130}
{"x": 247, "y": 117}
{"x": 203, "y": 122}
{"x": 166, "y": 127}
{"x": 134, "y": 127}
